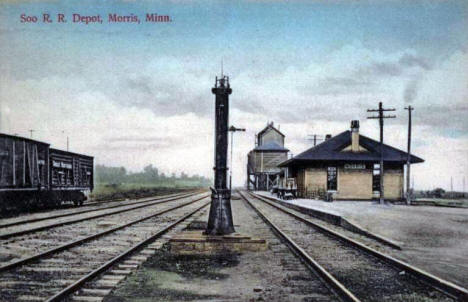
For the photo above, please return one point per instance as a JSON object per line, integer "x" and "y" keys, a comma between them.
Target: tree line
{"x": 440, "y": 193}
{"x": 149, "y": 175}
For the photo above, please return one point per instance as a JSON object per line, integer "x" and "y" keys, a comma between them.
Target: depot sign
{"x": 355, "y": 166}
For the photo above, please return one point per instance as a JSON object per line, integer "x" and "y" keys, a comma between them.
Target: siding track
{"x": 35, "y": 226}
{"x": 56, "y": 274}
{"x": 101, "y": 206}
{"x": 23, "y": 247}
{"x": 355, "y": 271}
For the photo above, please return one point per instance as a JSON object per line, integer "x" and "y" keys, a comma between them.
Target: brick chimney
{"x": 355, "y": 136}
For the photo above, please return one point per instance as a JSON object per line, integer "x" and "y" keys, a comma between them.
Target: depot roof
{"x": 332, "y": 150}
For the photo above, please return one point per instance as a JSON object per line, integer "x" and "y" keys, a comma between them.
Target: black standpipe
{"x": 220, "y": 219}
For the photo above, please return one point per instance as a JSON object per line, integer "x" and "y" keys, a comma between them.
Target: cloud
{"x": 28, "y": 1}
{"x": 336, "y": 85}
{"x": 166, "y": 87}
{"x": 135, "y": 109}
{"x": 448, "y": 121}
{"x": 141, "y": 83}
{"x": 344, "y": 81}
{"x": 132, "y": 143}
{"x": 414, "y": 61}
{"x": 397, "y": 67}
{"x": 97, "y": 125}
{"x": 317, "y": 93}
{"x": 383, "y": 69}
{"x": 411, "y": 91}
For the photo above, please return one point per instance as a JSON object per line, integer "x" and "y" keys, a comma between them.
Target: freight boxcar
{"x": 34, "y": 175}
{"x": 71, "y": 174}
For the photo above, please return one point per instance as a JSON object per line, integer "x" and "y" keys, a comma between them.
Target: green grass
{"x": 131, "y": 190}
{"x": 442, "y": 202}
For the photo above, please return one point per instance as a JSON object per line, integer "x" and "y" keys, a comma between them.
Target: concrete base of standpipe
{"x": 197, "y": 243}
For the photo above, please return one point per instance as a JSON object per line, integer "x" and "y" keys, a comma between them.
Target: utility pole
{"x": 408, "y": 160}
{"x": 31, "y": 132}
{"x": 381, "y": 118}
{"x": 315, "y": 138}
{"x": 451, "y": 183}
{"x": 232, "y": 129}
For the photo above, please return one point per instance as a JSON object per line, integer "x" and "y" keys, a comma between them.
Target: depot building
{"x": 347, "y": 165}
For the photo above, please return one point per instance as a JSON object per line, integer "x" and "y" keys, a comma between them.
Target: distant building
{"x": 262, "y": 162}
{"x": 348, "y": 166}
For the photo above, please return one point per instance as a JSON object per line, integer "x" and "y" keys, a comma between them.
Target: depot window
{"x": 331, "y": 178}
{"x": 376, "y": 178}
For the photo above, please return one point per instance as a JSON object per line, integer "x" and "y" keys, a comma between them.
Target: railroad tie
{"x": 155, "y": 246}
{"x": 132, "y": 262}
{"x": 96, "y": 291}
{"x": 148, "y": 252}
{"x": 106, "y": 283}
{"x": 29, "y": 298}
{"x": 128, "y": 266}
{"x": 113, "y": 278}
{"x": 139, "y": 258}
{"x": 120, "y": 272}
{"x": 87, "y": 298}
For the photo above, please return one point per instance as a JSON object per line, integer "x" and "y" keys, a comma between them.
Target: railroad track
{"x": 353, "y": 270}
{"x": 49, "y": 237}
{"x": 76, "y": 211}
{"x": 35, "y": 226}
{"x": 56, "y": 274}
{"x": 337, "y": 222}
{"x": 93, "y": 202}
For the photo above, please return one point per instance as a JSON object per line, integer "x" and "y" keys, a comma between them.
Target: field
{"x": 442, "y": 202}
{"x": 117, "y": 182}
{"x": 104, "y": 191}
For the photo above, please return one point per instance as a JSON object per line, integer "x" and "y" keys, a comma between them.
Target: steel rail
{"x": 110, "y": 200}
{"x": 91, "y": 237}
{"x": 79, "y": 283}
{"x": 361, "y": 231}
{"x": 25, "y": 221}
{"x": 45, "y": 227}
{"x": 338, "y": 288}
{"x": 444, "y": 286}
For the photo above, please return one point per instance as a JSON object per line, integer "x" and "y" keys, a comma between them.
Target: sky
{"x": 133, "y": 94}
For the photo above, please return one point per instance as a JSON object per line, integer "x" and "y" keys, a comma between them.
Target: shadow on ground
{"x": 164, "y": 277}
